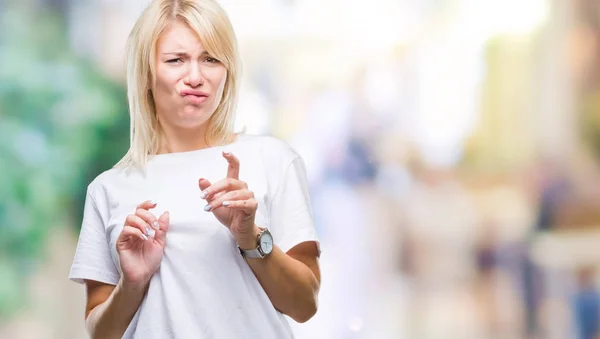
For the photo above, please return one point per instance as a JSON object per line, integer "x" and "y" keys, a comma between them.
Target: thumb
{"x": 203, "y": 184}
{"x": 161, "y": 233}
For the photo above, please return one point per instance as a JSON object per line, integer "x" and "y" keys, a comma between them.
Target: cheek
{"x": 165, "y": 80}
{"x": 221, "y": 83}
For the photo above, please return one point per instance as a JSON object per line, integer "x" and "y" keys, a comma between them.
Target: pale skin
{"x": 291, "y": 279}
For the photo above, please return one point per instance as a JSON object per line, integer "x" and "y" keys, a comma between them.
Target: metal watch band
{"x": 251, "y": 254}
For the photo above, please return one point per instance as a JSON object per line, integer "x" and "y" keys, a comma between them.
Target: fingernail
{"x": 153, "y": 202}
{"x": 147, "y": 232}
{"x": 226, "y": 153}
{"x": 204, "y": 194}
{"x": 226, "y": 203}
{"x": 144, "y": 237}
{"x": 155, "y": 225}
{"x": 207, "y": 208}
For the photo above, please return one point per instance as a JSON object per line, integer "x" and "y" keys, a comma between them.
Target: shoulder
{"x": 105, "y": 180}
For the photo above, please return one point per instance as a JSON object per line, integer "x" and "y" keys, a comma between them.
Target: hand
{"x": 232, "y": 204}
{"x": 139, "y": 254}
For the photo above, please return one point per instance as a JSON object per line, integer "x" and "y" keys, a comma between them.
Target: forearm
{"x": 111, "y": 318}
{"x": 290, "y": 284}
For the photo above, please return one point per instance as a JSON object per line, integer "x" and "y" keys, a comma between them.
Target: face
{"x": 189, "y": 82}
{"x": 266, "y": 242}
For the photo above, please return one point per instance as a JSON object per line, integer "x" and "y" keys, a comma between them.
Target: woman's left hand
{"x": 232, "y": 204}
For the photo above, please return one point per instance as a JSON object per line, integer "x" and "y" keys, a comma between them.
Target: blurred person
{"x": 586, "y": 305}
{"x": 552, "y": 188}
{"x": 488, "y": 277}
{"x": 178, "y": 267}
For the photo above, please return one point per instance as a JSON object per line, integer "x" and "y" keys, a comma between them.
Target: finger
{"x": 242, "y": 194}
{"x": 137, "y": 222}
{"x": 161, "y": 234}
{"x": 223, "y": 185}
{"x": 216, "y": 195}
{"x": 203, "y": 184}
{"x": 148, "y": 217}
{"x": 233, "y": 170}
{"x": 133, "y": 232}
{"x": 249, "y": 206}
{"x": 148, "y": 204}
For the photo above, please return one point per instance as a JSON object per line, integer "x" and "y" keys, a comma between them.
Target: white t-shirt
{"x": 203, "y": 288}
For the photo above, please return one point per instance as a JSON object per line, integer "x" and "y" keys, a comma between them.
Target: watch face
{"x": 266, "y": 242}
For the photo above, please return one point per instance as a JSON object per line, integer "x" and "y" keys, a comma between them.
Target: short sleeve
{"x": 292, "y": 219}
{"x": 93, "y": 260}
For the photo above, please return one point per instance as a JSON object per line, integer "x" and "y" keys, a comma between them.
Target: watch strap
{"x": 251, "y": 254}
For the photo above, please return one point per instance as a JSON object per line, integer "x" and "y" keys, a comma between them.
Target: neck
{"x": 175, "y": 140}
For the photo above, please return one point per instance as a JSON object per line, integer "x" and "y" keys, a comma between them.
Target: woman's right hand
{"x": 139, "y": 254}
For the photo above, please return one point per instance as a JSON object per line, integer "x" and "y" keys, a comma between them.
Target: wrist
{"x": 134, "y": 285}
{"x": 249, "y": 241}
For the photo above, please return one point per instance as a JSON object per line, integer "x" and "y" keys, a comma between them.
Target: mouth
{"x": 194, "y": 97}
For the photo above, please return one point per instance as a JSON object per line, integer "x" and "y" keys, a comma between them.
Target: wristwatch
{"x": 264, "y": 246}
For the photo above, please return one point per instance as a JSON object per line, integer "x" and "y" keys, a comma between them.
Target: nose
{"x": 194, "y": 77}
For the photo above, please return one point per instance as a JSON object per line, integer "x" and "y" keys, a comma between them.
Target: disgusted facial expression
{"x": 189, "y": 81}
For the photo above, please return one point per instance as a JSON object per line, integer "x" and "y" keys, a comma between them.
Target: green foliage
{"x": 61, "y": 123}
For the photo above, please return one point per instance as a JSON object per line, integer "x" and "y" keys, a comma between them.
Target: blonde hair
{"x": 216, "y": 34}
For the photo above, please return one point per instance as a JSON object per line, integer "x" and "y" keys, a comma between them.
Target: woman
{"x": 197, "y": 232}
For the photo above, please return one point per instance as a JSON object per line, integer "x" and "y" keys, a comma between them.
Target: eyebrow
{"x": 180, "y": 54}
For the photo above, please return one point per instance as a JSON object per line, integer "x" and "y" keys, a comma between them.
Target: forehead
{"x": 178, "y": 36}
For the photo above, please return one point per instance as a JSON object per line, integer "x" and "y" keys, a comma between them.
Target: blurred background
{"x": 452, "y": 148}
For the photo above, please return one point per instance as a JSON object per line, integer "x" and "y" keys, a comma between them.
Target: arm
{"x": 110, "y": 308}
{"x": 291, "y": 280}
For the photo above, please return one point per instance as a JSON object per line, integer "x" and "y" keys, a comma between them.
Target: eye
{"x": 174, "y": 61}
{"x": 211, "y": 60}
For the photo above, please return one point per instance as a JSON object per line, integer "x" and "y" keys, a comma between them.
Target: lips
{"x": 194, "y": 92}
{"x": 194, "y": 96}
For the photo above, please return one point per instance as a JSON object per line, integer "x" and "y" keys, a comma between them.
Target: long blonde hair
{"x": 216, "y": 34}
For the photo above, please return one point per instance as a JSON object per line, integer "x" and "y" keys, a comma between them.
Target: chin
{"x": 192, "y": 117}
